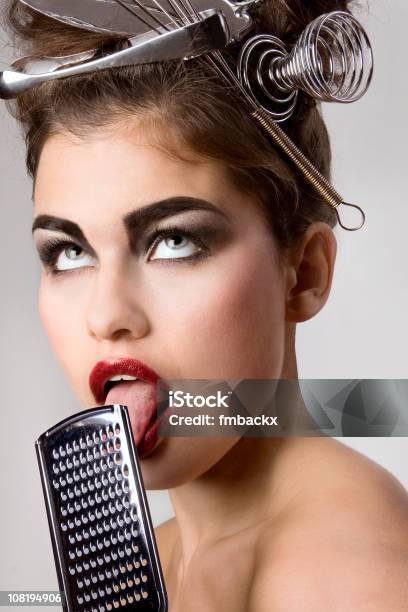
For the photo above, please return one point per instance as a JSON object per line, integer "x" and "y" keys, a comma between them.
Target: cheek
{"x": 231, "y": 321}
{"x": 60, "y": 318}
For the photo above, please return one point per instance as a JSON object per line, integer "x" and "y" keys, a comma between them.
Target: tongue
{"x": 140, "y": 398}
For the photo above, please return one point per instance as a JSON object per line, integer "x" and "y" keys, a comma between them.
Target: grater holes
{"x": 96, "y": 453}
{"x": 98, "y": 487}
{"x": 136, "y": 565}
{"x": 111, "y": 477}
{"x": 126, "y": 501}
{"x": 133, "y": 513}
{"x": 118, "y": 474}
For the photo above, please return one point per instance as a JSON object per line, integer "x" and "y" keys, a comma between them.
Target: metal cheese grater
{"x": 101, "y": 529}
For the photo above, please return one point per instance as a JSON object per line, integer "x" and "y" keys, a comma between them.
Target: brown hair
{"x": 201, "y": 114}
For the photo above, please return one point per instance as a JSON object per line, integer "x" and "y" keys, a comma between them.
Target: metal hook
{"x": 351, "y": 229}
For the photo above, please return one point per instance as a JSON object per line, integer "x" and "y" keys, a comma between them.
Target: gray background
{"x": 361, "y": 332}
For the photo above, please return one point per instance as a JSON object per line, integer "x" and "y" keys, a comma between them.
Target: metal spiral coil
{"x": 332, "y": 62}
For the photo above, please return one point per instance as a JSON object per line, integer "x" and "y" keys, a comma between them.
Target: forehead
{"x": 110, "y": 173}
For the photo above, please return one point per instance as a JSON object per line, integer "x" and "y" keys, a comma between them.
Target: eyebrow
{"x": 135, "y": 221}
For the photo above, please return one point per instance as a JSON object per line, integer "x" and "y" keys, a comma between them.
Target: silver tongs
{"x": 208, "y": 33}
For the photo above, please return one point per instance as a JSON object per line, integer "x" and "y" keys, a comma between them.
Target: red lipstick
{"x": 105, "y": 369}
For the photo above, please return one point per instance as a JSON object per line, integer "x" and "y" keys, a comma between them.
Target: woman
{"x": 177, "y": 243}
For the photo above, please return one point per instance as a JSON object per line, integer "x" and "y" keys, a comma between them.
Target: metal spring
{"x": 309, "y": 171}
{"x": 332, "y": 62}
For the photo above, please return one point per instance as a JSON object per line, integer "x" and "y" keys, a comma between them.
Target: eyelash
{"x": 52, "y": 248}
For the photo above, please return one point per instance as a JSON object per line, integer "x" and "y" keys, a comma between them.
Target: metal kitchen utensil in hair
{"x": 204, "y": 35}
{"x": 136, "y": 17}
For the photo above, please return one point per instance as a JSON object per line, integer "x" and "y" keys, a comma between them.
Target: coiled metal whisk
{"x": 332, "y": 61}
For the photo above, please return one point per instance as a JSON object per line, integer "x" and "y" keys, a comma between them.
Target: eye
{"x": 72, "y": 256}
{"x": 174, "y": 245}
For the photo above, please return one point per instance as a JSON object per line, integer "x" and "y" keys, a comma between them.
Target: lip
{"x": 105, "y": 369}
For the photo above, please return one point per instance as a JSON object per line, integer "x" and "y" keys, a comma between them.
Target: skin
{"x": 260, "y": 524}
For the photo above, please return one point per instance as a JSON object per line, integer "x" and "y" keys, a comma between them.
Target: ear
{"x": 309, "y": 272}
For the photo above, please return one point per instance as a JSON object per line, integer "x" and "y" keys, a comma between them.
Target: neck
{"x": 252, "y": 483}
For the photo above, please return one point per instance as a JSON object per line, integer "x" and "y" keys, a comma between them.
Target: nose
{"x": 114, "y": 308}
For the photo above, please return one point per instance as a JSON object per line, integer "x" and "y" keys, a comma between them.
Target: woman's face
{"x": 205, "y": 302}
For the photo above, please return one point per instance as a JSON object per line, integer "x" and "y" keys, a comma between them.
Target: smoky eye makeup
{"x": 49, "y": 249}
{"x": 205, "y": 231}
{"x": 206, "y": 235}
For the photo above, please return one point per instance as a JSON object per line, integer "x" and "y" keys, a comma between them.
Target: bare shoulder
{"x": 343, "y": 546}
